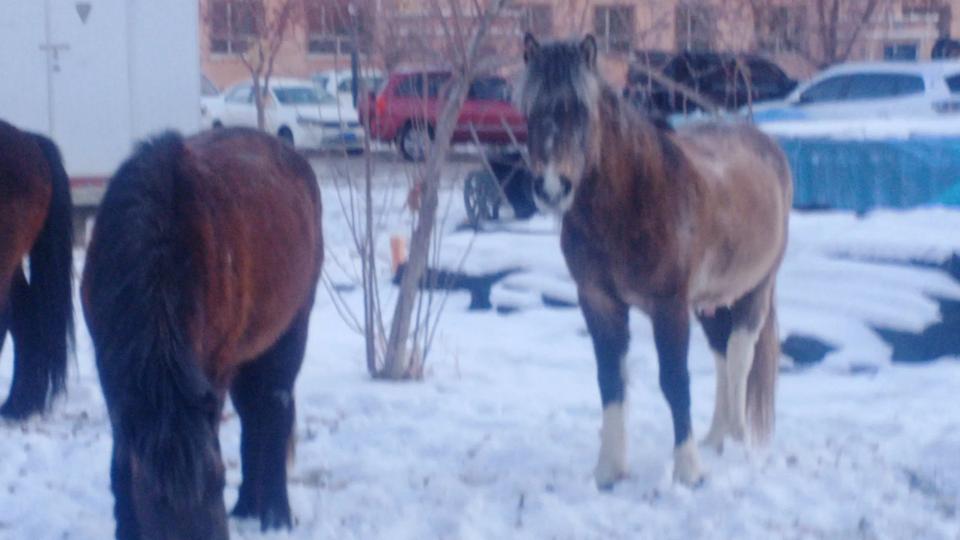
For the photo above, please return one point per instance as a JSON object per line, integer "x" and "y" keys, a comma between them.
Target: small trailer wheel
{"x": 481, "y": 198}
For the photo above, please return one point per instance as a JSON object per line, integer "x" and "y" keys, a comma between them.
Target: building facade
{"x": 800, "y": 35}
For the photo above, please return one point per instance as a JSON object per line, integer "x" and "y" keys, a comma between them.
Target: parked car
{"x": 406, "y": 110}
{"x": 295, "y": 111}
{"x": 210, "y": 102}
{"x": 721, "y": 78}
{"x": 340, "y": 82}
{"x": 872, "y": 90}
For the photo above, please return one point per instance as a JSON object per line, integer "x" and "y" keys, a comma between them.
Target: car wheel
{"x": 286, "y": 135}
{"x": 481, "y": 198}
{"x": 355, "y": 151}
{"x": 415, "y": 139}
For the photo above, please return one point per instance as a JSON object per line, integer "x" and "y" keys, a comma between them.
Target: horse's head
{"x": 559, "y": 97}
{"x": 176, "y": 475}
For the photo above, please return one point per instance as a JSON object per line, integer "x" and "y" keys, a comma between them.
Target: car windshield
{"x": 371, "y": 83}
{"x": 207, "y": 88}
{"x": 489, "y": 89}
{"x": 297, "y": 95}
{"x": 954, "y": 84}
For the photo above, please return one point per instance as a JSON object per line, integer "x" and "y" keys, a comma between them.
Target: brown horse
{"x": 670, "y": 222}
{"x": 34, "y": 220}
{"x": 199, "y": 279}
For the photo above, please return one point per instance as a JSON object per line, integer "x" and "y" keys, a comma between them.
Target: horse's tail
{"x": 762, "y": 380}
{"x": 140, "y": 286}
{"x": 51, "y": 278}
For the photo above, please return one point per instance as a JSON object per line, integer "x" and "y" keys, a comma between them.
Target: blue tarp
{"x": 863, "y": 174}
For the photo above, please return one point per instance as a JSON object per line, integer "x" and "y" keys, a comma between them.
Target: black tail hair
{"x": 141, "y": 282}
{"x": 51, "y": 277}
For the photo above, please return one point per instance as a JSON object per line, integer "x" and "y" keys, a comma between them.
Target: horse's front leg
{"x": 607, "y": 318}
{"x": 671, "y": 330}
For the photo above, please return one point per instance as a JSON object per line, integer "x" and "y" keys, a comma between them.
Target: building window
{"x": 695, "y": 27}
{"x": 330, "y": 26}
{"x": 937, "y": 11}
{"x": 900, "y": 51}
{"x": 233, "y": 25}
{"x": 537, "y": 19}
{"x": 780, "y": 28}
{"x": 614, "y": 27}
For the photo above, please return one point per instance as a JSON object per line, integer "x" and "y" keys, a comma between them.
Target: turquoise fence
{"x": 863, "y": 174}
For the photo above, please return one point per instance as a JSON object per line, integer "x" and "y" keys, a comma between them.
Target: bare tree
{"x": 839, "y": 24}
{"x": 464, "y": 44}
{"x": 258, "y": 30}
{"x": 453, "y": 34}
{"x": 833, "y": 27}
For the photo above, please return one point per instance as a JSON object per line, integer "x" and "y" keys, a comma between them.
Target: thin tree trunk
{"x": 397, "y": 359}
{"x": 367, "y": 258}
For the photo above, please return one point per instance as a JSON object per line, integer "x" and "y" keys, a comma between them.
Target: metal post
{"x": 49, "y": 54}
{"x": 354, "y": 56}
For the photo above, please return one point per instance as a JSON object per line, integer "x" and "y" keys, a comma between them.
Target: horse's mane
{"x": 141, "y": 299}
{"x": 638, "y": 152}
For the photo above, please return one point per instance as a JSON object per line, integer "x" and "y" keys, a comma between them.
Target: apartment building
{"x": 801, "y": 35}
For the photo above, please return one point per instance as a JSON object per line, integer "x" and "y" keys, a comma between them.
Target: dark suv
{"x": 406, "y": 111}
{"x": 718, "y": 77}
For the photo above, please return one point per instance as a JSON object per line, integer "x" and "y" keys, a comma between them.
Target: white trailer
{"x": 98, "y": 75}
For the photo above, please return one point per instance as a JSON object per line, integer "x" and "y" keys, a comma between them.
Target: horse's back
{"x": 737, "y": 152}
{"x": 746, "y": 195}
{"x": 25, "y": 193}
{"x": 256, "y": 215}
{"x": 224, "y": 226}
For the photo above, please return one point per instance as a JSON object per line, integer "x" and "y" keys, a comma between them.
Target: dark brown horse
{"x": 36, "y": 306}
{"x": 672, "y": 223}
{"x": 199, "y": 279}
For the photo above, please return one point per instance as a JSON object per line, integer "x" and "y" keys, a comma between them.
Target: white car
{"x": 339, "y": 82}
{"x": 872, "y": 90}
{"x": 210, "y": 102}
{"x": 296, "y": 112}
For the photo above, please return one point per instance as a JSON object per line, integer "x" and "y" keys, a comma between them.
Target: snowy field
{"x": 500, "y": 438}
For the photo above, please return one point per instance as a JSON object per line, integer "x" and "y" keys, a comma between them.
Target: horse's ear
{"x": 588, "y": 47}
{"x": 530, "y": 47}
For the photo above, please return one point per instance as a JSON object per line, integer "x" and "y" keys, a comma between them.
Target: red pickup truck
{"x": 406, "y": 110}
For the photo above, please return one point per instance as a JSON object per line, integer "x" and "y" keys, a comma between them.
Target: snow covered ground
{"x": 499, "y": 439}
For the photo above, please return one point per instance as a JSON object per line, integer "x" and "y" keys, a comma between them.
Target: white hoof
{"x": 713, "y": 441}
{"x": 738, "y": 432}
{"x": 608, "y": 473}
{"x": 612, "y": 463}
{"x": 686, "y": 464}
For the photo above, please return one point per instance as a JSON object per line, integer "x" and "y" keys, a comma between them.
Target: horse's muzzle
{"x": 551, "y": 196}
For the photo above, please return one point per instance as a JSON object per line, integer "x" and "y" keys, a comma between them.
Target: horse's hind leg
{"x": 262, "y": 393}
{"x": 607, "y": 319}
{"x": 671, "y": 333}
{"x": 717, "y": 328}
{"x": 28, "y": 390}
{"x": 4, "y": 320}
{"x": 748, "y": 317}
